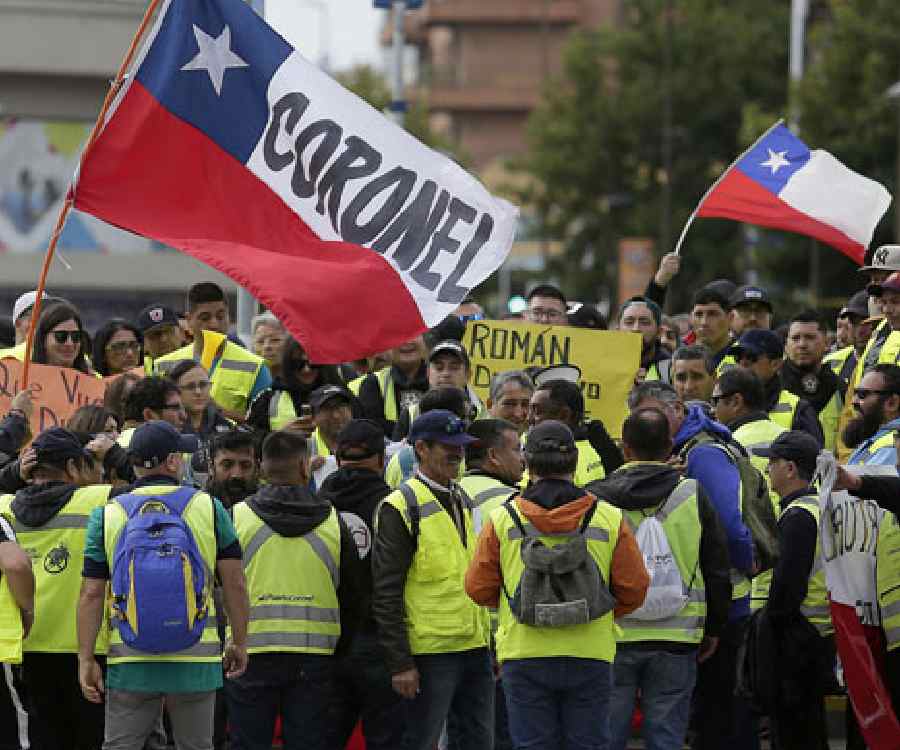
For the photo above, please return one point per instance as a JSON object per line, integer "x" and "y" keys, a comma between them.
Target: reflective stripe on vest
{"x": 11, "y": 630}
{"x": 487, "y": 493}
{"x": 679, "y": 515}
{"x": 815, "y": 606}
{"x": 887, "y": 575}
{"x": 200, "y": 516}
{"x": 784, "y": 411}
{"x": 56, "y": 550}
{"x": 298, "y": 613}
{"x": 593, "y": 640}
{"x": 281, "y": 410}
{"x": 440, "y": 617}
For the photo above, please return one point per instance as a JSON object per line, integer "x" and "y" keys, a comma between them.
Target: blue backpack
{"x": 159, "y": 580}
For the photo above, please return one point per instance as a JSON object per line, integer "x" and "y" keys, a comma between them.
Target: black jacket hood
{"x": 38, "y": 503}
{"x": 352, "y": 488}
{"x": 636, "y": 486}
{"x": 290, "y": 510}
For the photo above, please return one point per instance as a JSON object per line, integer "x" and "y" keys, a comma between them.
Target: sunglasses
{"x": 863, "y": 393}
{"x": 61, "y": 336}
{"x": 120, "y": 347}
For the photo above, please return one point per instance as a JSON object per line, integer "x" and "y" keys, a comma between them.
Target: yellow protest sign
{"x": 608, "y": 360}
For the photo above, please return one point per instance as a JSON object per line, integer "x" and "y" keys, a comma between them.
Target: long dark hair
{"x": 91, "y": 419}
{"x": 102, "y": 337}
{"x": 52, "y": 317}
{"x": 328, "y": 374}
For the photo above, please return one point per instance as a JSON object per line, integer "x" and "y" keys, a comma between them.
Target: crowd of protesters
{"x": 385, "y": 558}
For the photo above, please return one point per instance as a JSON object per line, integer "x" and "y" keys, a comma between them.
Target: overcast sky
{"x": 351, "y": 28}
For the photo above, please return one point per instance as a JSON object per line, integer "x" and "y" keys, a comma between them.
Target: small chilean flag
{"x": 780, "y": 183}
{"x": 226, "y": 144}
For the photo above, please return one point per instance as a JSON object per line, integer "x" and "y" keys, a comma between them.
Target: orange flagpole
{"x": 70, "y": 195}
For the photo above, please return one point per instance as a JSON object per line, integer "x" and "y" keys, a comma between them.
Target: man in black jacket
{"x": 363, "y": 681}
{"x": 664, "y": 669}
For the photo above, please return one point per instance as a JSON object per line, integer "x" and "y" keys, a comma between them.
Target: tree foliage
{"x": 596, "y": 141}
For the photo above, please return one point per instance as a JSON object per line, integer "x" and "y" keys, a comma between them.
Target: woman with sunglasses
{"x": 283, "y": 404}
{"x": 117, "y": 348}
{"x": 60, "y": 339}
{"x": 205, "y": 419}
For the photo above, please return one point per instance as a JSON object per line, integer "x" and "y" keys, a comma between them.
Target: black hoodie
{"x": 644, "y": 486}
{"x": 38, "y": 503}
{"x": 292, "y": 511}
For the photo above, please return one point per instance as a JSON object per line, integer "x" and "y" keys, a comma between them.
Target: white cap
{"x": 24, "y": 302}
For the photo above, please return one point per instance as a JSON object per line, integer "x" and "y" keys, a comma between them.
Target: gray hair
{"x": 693, "y": 352}
{"x": 266, "y": 318}
{"x": 499, "y": 381}
{"x": 652, "y": 389}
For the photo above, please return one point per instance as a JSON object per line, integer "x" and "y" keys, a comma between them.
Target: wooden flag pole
{"x": 114, "y": 88}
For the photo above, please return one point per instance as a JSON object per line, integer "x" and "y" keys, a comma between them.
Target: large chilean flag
{"x": 226, "y": 144}
{"x": 780, "y": 183}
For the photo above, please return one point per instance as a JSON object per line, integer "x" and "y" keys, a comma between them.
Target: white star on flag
{"x": 215, "y": 56}
{"x": 775, "y": 161}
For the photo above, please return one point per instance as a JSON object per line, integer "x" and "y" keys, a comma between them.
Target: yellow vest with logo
{"x": 56, "y": 550}
{"x": 440, "y": 617}
{"x": 815, "y": 606}
{"x": 14, "y": 352}
{"x": 784, "y": 411}
{"x": 593, "y": 640}
{"x": 200, "y": 516}
{"x": 887, "y": 570}
{"x": 11, "y": 631}
{"x": 486, "y": 493}
{"x": 234, "y": 376}
{"x": 680, "y": 519}
{"x": 281, "y": 410}
{"x": 296, "y": 613}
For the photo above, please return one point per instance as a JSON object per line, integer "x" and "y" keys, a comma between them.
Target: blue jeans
{"x": 558, "y": 702}
{"x": 457, "y": 688}
{"x": 298, "y": 686}
{"x": 666, "y": 681}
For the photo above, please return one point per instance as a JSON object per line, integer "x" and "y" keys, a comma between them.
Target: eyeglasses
{"x": 120, "y": 347}
{"x": 62, "y": 336}
{"x": 198, "y": 387}
{"x": 545, "y": 313}
{"x": 714, "y": 400}
{"x": 863, "y": 393}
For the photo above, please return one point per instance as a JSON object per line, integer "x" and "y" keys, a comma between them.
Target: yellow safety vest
{"x": 403, "y": 465}
{"x": 760, "y": 434}
{"x": 440, "y": 617}
{"x": 815, "y": 606}
{"x": 594, "y": 640}
{"x": 588, "y": 469}
{"x": 661, "y": 371}
{"x": 829, "y": 418}
{"x": 885, "y": 441}
{"x": 200, "y": 516}
{"x": 125, "y": 436}
{"x": 784, "y": 411}
{"x": 281, "y": 410}
{"x": 385, "y": 378}
{"x": 727, "y": 362}
{"x": 354, "y": 385}
{"x": 295, "y": 613}
{"x": 11, "y": 631}
{"x": 317, "y": 444}
{"x": 842, "y": 362}
{"x": 679, "y": 515}
{"x": 56, "y": 550}
{"x": 486, "y": 493}
{"x": 887, "y": 572}
{"x": 234, "y": 376}
{"x": 14, "y": 352}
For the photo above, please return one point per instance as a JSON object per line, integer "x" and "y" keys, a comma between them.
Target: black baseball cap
{"x": 793, "y": 445}
{"x": 440, "y": 426}
{"x": 550, "y": 436}
{"x": 449, "y": 347}
{"x": 325, "y": 393}
{"x": 153, "y": 441}
{"x": 759, "y": 341}
{"x": 748, "y": 293}
{"x": 359, "y": 439}
{"x": 155, "y": 315}
{"x": 57, "y": 445}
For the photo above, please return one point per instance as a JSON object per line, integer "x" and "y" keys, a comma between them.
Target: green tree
{"x": 596, "y": 142}
{"x": 368, "y": 84}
